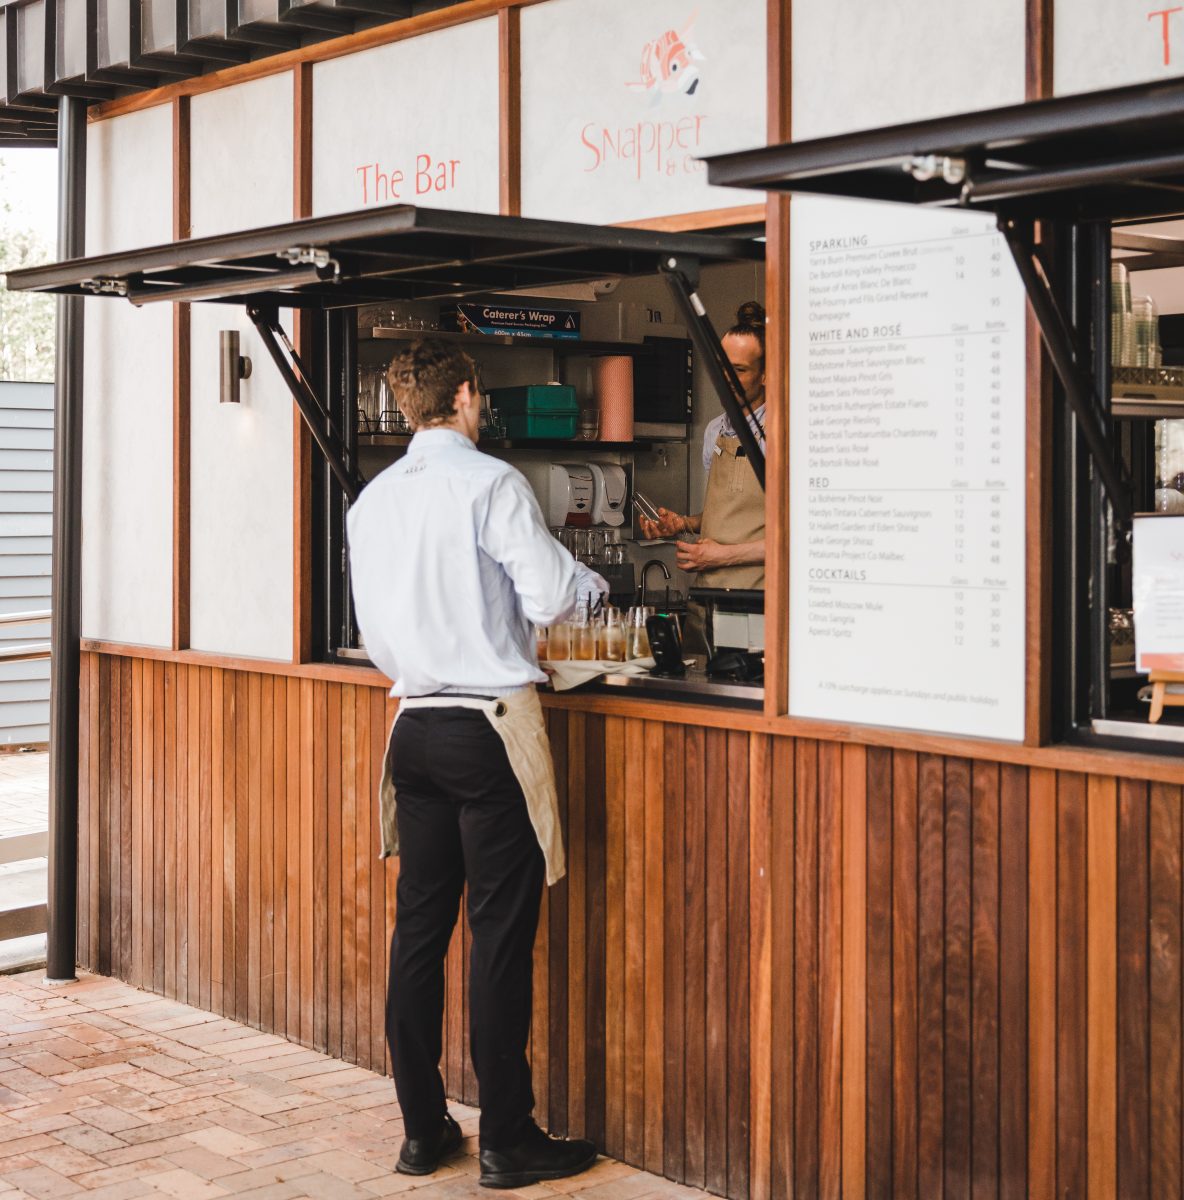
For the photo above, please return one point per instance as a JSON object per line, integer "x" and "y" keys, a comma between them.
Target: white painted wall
{"x": 1108, "y": 43}
{"x": 26, "y": 532}
{"x": 241, "y": 555}
{"x": 858, "y": 65}
{"x": 415, "y": 122}
{"x": 127, "y": 471}
{"x": 600, "y": 146}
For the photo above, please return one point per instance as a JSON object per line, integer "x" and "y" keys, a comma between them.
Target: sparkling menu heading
{"x": 907, "y": 471}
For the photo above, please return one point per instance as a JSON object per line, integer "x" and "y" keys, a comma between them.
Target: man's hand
{"x": 667, "y": 525}
{"x": 707, "y": 553}
{"x": 700, "y": 555}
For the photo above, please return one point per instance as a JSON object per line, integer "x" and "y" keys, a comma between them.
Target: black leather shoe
{"x": 535, "y": 1158}
{"x": 421, "y": 1156}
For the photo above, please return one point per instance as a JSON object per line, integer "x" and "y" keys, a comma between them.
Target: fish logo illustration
{"x": 670, "y": 64}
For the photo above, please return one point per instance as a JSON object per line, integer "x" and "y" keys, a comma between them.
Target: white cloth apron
{"x": 518, "y": 721}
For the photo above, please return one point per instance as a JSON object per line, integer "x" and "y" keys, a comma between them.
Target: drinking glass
{"x": 583, "y": 643}
{"x": 589, "y": 424}
{"x": 583, "y": 636}
{"x": 559, "y": 642}
{"x": 611, "y": 637}
{"x": 368, "y": 402}
{"x": 540, "y": 642}
{"x": 637, "y": 638}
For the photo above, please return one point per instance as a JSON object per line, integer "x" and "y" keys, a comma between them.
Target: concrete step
{"x": 23, "y": 891}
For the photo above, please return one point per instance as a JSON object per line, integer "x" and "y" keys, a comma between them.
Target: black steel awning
{"x": 396, "y": 253}
{"x": 1106, "y": 157}
{"x": 100, "y": 49}
{"x": 403, "y": 253}
{"x": 1112, "y": 155}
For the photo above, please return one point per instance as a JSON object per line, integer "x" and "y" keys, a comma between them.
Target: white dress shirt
{"x": 451, "y": 565}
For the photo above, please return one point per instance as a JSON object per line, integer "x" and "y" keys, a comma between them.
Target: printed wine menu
{"x": 907, "y": 461}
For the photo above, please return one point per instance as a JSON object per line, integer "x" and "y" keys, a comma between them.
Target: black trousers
{"x": 462, "y": 818}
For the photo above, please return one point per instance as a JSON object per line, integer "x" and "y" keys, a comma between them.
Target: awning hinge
{"x": 310, "y": 256}
{"x": 105, "y": 287}
{"x": 924, "y": 167}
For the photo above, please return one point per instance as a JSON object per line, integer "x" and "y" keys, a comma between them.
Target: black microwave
{"x": 663, "y": 374}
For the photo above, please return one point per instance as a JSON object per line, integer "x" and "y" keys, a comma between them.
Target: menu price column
{"x": 907, "y": 403}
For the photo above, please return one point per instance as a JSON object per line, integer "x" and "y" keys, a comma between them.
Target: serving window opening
{"x": 1120, "y": 580}
{"x": 600, "y": 396}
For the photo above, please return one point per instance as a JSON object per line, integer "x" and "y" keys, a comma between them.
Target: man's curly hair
{"x": 425, "y": 378}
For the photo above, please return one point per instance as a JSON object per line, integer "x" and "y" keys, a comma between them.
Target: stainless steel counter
{"x": 693, "y": 688}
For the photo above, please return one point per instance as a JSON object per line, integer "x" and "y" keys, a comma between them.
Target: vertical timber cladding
{"x": 940, "y": 974}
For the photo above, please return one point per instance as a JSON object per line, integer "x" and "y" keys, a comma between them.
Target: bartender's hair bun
{"x": 750, "y": 322}
{"x": 751, "y": 313}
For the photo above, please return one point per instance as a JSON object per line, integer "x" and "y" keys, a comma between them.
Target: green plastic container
{"x": 539, "y": 410}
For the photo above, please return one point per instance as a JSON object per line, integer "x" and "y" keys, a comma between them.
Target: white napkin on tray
{"x": 570, "y": 673}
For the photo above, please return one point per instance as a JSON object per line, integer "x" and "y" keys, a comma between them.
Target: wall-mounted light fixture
{"x": 234, "y": 366}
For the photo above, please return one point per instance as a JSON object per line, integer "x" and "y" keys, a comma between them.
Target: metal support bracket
{"x": 1081, "y": 388}
{"x": 326, "y": 435}
{"x": 679, "y": 274}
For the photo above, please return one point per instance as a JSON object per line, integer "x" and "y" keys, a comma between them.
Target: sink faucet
{"x": 645, "y": 571}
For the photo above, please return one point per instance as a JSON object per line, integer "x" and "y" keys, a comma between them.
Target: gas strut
{"x": 743, "y": 418}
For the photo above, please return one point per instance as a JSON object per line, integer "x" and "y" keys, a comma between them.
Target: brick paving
{"x": 109, "y": 1092}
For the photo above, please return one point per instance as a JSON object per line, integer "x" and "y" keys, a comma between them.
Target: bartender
{"x": 730, "y": 551}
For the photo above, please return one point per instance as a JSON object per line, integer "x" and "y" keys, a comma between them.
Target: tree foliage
{"x": 26, "y": 320}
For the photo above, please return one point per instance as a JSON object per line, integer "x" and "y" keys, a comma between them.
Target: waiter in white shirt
{"x": 452, "y": 564}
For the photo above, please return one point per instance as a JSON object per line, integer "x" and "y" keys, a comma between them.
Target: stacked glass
{"x": 1122, "y": 332}
{"x": 1145, "y": 323}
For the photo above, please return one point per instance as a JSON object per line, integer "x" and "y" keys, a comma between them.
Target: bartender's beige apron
{"x": 733, "y": 512}
{"x": 518, "y": 721}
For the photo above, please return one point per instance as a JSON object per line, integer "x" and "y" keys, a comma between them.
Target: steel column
{"x": 66, "y": 625}
{"x": 678, "y": 274}
{"x": 1079, "y": 383}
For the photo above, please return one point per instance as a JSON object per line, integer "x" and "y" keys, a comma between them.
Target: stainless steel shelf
{"x": 574, "y": 346}
{"x": 384, "y": 333}
{"x": 1150, "y": 407}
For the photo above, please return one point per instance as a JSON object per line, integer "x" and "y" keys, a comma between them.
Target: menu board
{"x": 1158, "y": 585}
{"x": 907, "y": 399}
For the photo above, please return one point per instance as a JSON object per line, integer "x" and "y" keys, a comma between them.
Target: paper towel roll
{"x": 614, "y": 396}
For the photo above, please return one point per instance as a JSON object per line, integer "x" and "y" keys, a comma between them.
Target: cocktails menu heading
{"x": 907, "y": 402}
